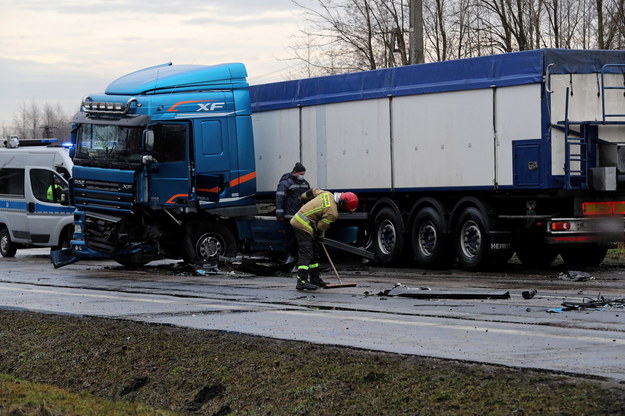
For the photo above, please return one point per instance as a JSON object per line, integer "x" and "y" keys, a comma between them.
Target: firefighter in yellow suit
{"x": 321, "y": 208}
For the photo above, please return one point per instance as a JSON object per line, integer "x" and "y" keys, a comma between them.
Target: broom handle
{"x": 331, "y": 264}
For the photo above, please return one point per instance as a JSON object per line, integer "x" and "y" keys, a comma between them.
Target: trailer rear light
{"x": 619, "y": 208}
{"x": 560, "y": 226}
{"x": 604, "y": 208}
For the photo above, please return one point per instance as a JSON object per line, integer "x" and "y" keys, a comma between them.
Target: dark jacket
{"x": 287, "y": 195}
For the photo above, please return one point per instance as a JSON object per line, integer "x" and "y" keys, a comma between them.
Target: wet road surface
{"x": 513, "y": 332}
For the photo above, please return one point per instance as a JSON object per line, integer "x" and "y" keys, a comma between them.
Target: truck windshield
{"x": 108, "y": 146}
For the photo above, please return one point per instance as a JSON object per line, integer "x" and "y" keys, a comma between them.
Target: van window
{"x": 12, "y": 182}
{"x": 46, "y": 185}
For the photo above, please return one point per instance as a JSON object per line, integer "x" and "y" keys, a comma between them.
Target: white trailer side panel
{"x": 347, "y": 145}
{"x": 443, "y": 140}
{"x": 518, "y": 115}
{"x": 277, "y": 149}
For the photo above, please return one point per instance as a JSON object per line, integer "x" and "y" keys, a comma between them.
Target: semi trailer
{"x": 465, "y": 161}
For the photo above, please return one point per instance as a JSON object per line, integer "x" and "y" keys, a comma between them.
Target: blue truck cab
{"x": 164, "y": 158}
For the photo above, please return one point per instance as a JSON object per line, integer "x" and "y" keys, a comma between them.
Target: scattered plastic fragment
{"x": 575, "y": 276}
{"x": 427, "y": 293}
{"x": 599, "y": 304}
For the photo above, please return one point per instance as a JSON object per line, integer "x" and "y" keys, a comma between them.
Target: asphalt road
{"x": 516, "y": 332}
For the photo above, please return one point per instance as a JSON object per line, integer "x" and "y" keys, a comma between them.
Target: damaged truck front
{"x": 162, "y": 160}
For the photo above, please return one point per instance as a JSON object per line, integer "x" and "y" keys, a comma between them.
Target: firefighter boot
{"x": 315, "y": 279}
{"x": 302, "y": 281}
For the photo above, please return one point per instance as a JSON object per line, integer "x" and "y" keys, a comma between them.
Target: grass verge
{"x": 213, "y": 373}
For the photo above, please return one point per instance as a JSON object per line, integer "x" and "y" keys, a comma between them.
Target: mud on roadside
{"x": 205, "y": 372}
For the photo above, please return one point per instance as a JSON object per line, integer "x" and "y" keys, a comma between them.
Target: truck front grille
{"x": 103, "y": 195}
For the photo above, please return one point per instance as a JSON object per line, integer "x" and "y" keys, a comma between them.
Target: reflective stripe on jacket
{"x": 317, "y": 214}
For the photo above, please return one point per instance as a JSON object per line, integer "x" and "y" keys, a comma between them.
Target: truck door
{"x": 215, "y": 149}
{"x": 168, "y": 176}
{"x": 46, "y": 216}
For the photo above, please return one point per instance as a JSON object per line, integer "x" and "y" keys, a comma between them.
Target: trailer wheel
{"x": 7, "y": 247}
{"x": 536, "y": 253}
{"x": 388, "y": 239}
{"x": 472, "y": 242}
{"x": 589, "y": 254}
{"x": 428, "y": 238}
{"x": 208, "y": 242}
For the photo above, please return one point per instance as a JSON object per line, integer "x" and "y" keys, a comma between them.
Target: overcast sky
{"x": 57, "y": 51}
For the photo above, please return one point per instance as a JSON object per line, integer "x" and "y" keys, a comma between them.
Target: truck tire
{"x": 388, "y": 239}
{"x": 7, "y": 247}
{"x": 208, "y": 242}
{"x": 584, "y": 255}
{"x": 536, "y": 253}
{"x": 428, "y": 238}
{"x": 131, "y": 262}
{"x": 471, "y": 239}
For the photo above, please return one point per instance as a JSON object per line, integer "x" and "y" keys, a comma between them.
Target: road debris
{"x": 600, "y": 304}
{"x": 528, "y": 294}
{"x": 426, "y": 293}
{"x": 575, "y": 276}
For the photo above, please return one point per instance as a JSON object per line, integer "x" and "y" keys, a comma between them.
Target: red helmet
{"x": 349, "y": 201}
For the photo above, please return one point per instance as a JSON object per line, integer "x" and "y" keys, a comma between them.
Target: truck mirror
{"x": 148, "y": 137}
{"x": 147, "y": 160}
{"x": 64, "y": 197}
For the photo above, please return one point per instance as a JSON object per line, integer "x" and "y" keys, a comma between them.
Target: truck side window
{"x": 12, "y": 182}
{"x": 46, "y": 185}
{"x": 170, "y": 142}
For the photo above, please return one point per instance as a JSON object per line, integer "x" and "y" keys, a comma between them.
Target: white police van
{"x": 31, "y": 215}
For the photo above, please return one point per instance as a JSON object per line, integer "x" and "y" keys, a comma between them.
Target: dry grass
{"x": 211, "y": 373}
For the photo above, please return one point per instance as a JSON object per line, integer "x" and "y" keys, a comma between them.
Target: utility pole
{"x": 416, "y": 32}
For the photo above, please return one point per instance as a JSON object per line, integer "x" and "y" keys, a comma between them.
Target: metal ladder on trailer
{"x": 576, "y": 150}
{"x": 604, "y": 68}
{"x": 577, "y": 147}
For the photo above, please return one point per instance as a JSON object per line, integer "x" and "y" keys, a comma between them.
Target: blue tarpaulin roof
{"x": 503, "y": 70}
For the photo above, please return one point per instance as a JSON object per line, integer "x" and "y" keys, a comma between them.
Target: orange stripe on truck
{"x": 234, "y": 182}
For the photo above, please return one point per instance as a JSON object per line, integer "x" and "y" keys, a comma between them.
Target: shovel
{"x": 340, "y": 283}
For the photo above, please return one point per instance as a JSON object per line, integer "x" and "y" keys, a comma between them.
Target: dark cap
{"x": 299, "y": 168}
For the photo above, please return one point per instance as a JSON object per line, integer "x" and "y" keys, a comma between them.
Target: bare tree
{"x": 349, "y": 35}
{"x": 30, "y": 121}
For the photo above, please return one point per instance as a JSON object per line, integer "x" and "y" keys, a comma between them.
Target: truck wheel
{"x": 536, "y": 253}
{"x": 131, "y": 262}
{"x": 428, "y": 238}
{"x": 472, "y": 241}
{"x": 590, "y": 254}
{"x": 208, "y": 242}
{"x": 7, "y": 248}
{"x": 388, "y": 239}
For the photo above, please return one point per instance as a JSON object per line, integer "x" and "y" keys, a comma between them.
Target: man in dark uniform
{"x": 290, "y": 188}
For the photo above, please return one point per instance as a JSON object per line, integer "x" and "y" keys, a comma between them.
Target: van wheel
{"x": 7, "y": 248}
{"x": 208, "y": 242}
{"x": 65, "y": 238}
